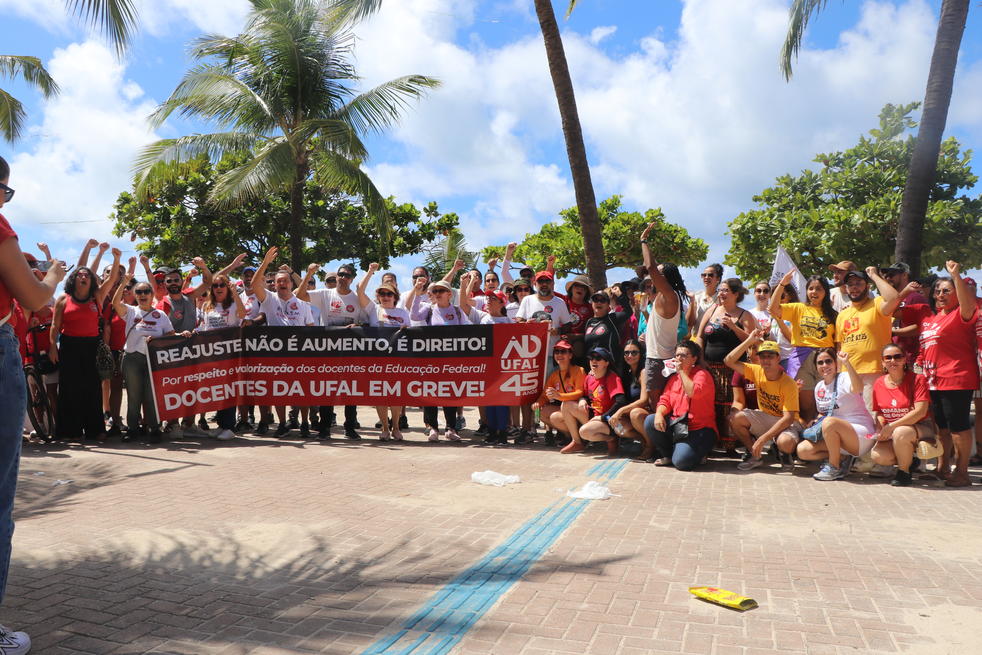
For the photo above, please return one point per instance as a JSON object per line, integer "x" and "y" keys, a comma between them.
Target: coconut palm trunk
{"x": 924, "y": 160}
{"x": 586, "y": 201}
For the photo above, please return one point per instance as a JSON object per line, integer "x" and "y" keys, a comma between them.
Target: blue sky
{"x": 682, "y": 103}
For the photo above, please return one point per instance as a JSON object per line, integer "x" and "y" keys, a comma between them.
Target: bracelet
{"x": 644, "y": 241}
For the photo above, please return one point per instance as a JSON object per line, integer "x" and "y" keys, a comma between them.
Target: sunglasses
{"x": 219, "y": 285}
{"x": 439, "y": 291}
{"x": 632, "y": 353}
{"x": 706, "y": 275}
{"x": 385, "y": 294}
{"x": 561, "y": 351}
{"x": 825, "y": 362}
{"x": 142, "y": 292}
{"x": 893, "y": 358}
{"x": 347, "y": 276}
{"x": 419, "y": 275}
{"x": 8, "y": 193}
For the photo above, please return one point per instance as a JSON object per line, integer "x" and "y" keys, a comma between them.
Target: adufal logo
{"x": 850, "y": 326}
{"x": 521, "y": 355}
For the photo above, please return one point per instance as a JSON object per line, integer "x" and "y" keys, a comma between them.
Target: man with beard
{"x": 865, "y": 326}
{"x": 339, "y": 307}
{"x": 180, "y": 307}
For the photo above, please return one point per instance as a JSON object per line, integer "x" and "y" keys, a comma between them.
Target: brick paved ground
{"x": 268, "y": 546}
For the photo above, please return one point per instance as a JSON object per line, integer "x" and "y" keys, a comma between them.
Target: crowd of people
{"x": 872, "y": 366}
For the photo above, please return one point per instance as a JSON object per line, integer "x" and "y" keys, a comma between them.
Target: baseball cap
{"x": 527, "y": 269}
{"x": 899, "y": 267}
{"x": 249, "y": 269}
{"x": 844, "y": 265}
{"x": 860, "y": 274}
{"x": 600, "y": 296}
{"x": 542, "y": 275}
{"x": 521, "y": 282}
{"x": 562, "y": 343}
{"x": 602, "y": 353}
{"x": 498, "y": 295}
{"x": 769, "y": 347}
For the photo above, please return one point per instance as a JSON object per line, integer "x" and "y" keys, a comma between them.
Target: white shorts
{"x": 865, "y": 443}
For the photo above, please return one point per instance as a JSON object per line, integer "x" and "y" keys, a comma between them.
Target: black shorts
{"x": 952, "y": 409}
{"x": 653, "y": 368}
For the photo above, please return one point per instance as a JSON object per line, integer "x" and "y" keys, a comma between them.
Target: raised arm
{"x": 240, "y": 308}
{"x": 103, "y": 247}
{"x": 55, "y": 328}
{"x": 452, "y": 273}
{"x": 259, "y": 278}
{"x": 733, "y": 358}
{"x": 891, "y": 298}
{"x": 43, "y": 247}
{"x": 966, "y": 299}
{"x": 301, "y": 291}
{"x": 100, "y": 294}
{"x": 206, "y": 278}
{"x": 466, "y": 285}
{"x": 551, "y": 265}
{"x": 83, "y": 258}
{"x": 854, "y": 380}
{"x": 506, "y": 262}
{"x": 19, "y": 278}
{"x": 118, "y": 305}
{"x": 774, "y": 307}
{"x": 237, "y": 262}
{"x": 363, "y": 285}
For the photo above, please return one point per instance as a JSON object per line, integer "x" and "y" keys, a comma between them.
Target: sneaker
{"x": 282, "y": 430}
{"x": 14, "y": 643}
{"x": 194, "y": 431}
{"x": 863, "y": 464}
{"x": 460, "y": 423}
{"x": 902, "y": 479}
{"x": 403, "y": 422}
{"x": 750, "y": 463}
{"x": 550, "y": 438}
{"x": 225, "y": 435}
{"x": 451, "y": 435}
{"x": 114, "y": 428}
{"x": 174, "y": 431}
{"x": 305, "y": 430}
{"x": 349, "y": 433}
{"x": 491, "y": 439}
{"x": 522, "y": 438}
{"x": 829, "y": 472}
{"x": 130, "y": 435}
{"x": 881, "y": 471}
{"x": 846, "y": 465}
{"x": 262, "y": 428}
{"x": 242, "y": 426}
{"x": 384, "y": 436}
{"x": 434, "y": 435}
{"x": 294, "y": 423}
{"x": 203, "y": 424}
{"x": 482, "y": 430}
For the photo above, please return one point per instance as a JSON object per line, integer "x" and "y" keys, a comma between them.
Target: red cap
{"x": 499, "y": 295}
{"x": 562, "y": 343}
{"x": 542, "y": 275}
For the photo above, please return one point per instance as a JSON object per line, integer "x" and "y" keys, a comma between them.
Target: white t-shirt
{"x": 431, "y": 314}
{"x": 379, "y": 316}
{"x": 337, "y": 308}
{"x": 217, "y": 318}
{"x": 251, "y": 304}
{"x": 316, "y": 314}
{"x": 555, "y": 307}
{"x": 141, "y": 324}
{"x": 850, "y": 405}
{"x": 290, "y": 312}
{"x": 512, "y": 310}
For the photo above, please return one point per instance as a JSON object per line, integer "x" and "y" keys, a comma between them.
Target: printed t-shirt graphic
{"x": 773, "y": 396}
{"x": 291, "y": 311}
{"x": 863, "y": 332}
{"x": 809, "y": 326}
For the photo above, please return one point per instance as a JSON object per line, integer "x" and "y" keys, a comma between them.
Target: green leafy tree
{"x": 914, "y": 209}
{"x": 176, "y": 222}
{"x": 848, "y": 209}
{"x": 287, "y": 83}
{"x": 621, "y": 232}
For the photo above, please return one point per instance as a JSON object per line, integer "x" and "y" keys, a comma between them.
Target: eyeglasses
{"x": 142, "y": 292}
{"x": 561, "y": 351}
{"x": 893, "y": 358}
{"x": 8, "y": 193}
{"x": 385, "y": 294}
{"x": 762, "y": 290}
{"x": 825, "y": 362}
{"x": 419, "y": 275}
{"x": 942, "y": 292}
{"x": 219, "y": 285}
{"x": 440, "y": 290}
{"x": 347, "y": 276}
{"x": 632, "y": 353}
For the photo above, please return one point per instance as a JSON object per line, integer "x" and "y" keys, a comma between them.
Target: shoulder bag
{"x": 813, "y": 432}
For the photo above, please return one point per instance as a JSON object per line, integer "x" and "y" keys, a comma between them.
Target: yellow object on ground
{"x": 724, "y": 598}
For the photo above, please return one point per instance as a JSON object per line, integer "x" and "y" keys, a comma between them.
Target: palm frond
{"x": 572, "y": 6}
{"x": 11, "y": 116}
{"x": 114, "y": 18}
{"x": 379, "y": 108}
{"x": 334, "y": 134}
{"x": 150, "y": 168}
{"x": 31, "y": 70}
{"x": 799, "y": 14}
{"x": 212, "y": 92}
{"x": 335, "y": 171}
{"x": 439, "y": 256}
{"x": 271, "y": 168}
{"x": 348, "y": 12}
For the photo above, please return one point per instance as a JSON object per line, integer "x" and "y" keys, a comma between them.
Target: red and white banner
{"x": 469, "y": 365}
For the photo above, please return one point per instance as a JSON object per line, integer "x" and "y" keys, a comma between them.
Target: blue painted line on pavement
{"x": 445, "y": 618}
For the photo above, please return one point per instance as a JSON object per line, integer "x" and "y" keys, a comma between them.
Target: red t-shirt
{"x": 700, "y": 408}
{"x": 749, "y": 389}
{"x": 600, "y": 393}
{"x": 117, "y": 327}
{"x": 6, "y": 232}
{"x": 894, "y": 404}
{"x": 581, "y": 313}
{"x": 80, "y": 319}
{"x": 948, "y": 355}
{"x": 906, "y": 315}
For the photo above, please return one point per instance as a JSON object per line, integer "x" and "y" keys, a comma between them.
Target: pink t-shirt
{"x": 948, "y": 355}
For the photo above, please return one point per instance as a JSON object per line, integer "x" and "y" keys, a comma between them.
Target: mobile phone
{"x": 43, "y": 266}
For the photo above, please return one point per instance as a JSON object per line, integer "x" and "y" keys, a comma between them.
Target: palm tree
{"x": 283, "y": 90}
{"x": 937, "y": 98}
{"x": 115, "y": 18}
{"x": 586, "y": 201}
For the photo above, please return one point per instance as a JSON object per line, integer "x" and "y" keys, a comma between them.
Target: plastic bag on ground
{"x": 592, "y": 490}
{"x": 494, "y": 479}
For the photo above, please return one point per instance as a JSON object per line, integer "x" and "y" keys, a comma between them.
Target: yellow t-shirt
{"x": 809, "y": 326}
{"x": 773, "y": 396}
{"x": 863, "y": 333}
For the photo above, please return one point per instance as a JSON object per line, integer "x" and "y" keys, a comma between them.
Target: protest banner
{"x": 471, "y": 365}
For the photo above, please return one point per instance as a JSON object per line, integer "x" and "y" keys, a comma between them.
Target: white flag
{"x": 782, "y": 264}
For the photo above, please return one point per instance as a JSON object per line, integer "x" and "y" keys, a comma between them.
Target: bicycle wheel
{"x": 38, "y": 407}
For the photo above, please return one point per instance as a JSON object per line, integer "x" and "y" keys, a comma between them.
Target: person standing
{"x": 912, "y": 310}
{"x": 223, "y": 308}
{"x": 339, "y": 307}
{"x": 703, "y": 301}
{"x": 839, "y": 296}
{"x": 661, "y": 330}
{"x": 17, "y": 283}
{"x": 865, "y": 326}
{"x": 948, "y": 354}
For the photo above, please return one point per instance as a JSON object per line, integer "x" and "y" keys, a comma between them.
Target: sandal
{"x": 663, "y": 461}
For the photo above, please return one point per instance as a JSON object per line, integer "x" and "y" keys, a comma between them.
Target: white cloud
{"x": 210, "y": 16}
{"x": 82, "y": 151}
{"x": 600, "y": 33}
